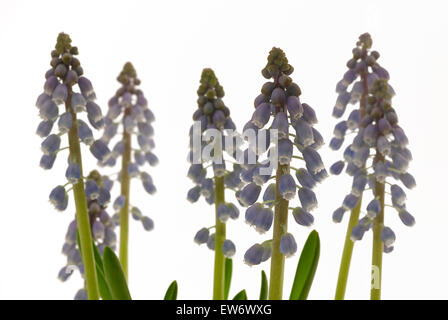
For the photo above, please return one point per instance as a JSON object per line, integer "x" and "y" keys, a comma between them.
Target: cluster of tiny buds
{"x": 279, "y": 99}
{"x": 376, "y": 128}
{"x": 65, "y": 73}
{"x": 213, "y": 114}
{"x": 101, "y": 224}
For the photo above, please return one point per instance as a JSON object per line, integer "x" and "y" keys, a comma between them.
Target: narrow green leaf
{"x": 97, "y": 255}
{"x": 171, "y": 292}
{"x": 240, "y": 295}
{"x": 115, "y": 276}
{"x": 264, "y": 286}
{"x": 227, "y": 277}
{"x": 102, "y": 283}
{"x": 306, "y": 268}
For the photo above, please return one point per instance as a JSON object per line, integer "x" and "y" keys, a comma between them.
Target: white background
{"x": 169, "y": 42}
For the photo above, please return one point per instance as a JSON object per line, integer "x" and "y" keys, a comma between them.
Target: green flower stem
{"x": 125, "y": 191}
{"x": 280, "y": 228}
{"x": 82, "y": 215}
{"x": 347, "y": 253}
{"x": 377, "y": 248}
{"x": 220, "y": 236}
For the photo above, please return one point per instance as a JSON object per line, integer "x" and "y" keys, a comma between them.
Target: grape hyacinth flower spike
{"x": 211, "y": 136}
{"x": 128, "y": 110}
{"x": 101, "y": 224}
{"x": 280, "y": 102}
{"x": 62, "y": 81}
{"x": 377, "y": 154}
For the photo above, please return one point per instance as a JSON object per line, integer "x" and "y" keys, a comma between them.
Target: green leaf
{"x": 306, "y": 268}
{"x": 227, "y": 277}
{"x": 102, "y": 283}
{"x": 264, "y": 286}
{"x": 240, "y": 295}
{"x": 115, "y": 276}
{"x": 171, "y": 292}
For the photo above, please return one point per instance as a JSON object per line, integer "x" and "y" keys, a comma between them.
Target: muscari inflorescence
{"x": 101, "y": 224}
{"x": 128, "y": 110}
{"x": 213, "y": 115}
{"x": 378, "y": 151}
{"x": 279, "y": 99}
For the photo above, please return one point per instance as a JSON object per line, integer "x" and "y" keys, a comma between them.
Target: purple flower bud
{"x": 51, "y": 144}
{"x": 373, "y": 208}
{"x": 313, "y": 160}
{"x": 304, "y": 133}
{"x": 85, "y": 133}
{"x": 65, "y": 122}
{"x": 400, "y": 137}
{"x": 408, "y": 180}
{"x": 119, "y": 203}
{"x": 336, "y": 143}
{"x": 44, "y": 128}
{"x": 148, "y": 223}
{"x": 302, "y": 217}
{"x": 228, "y": 248}
{"x": 263, "y": 220}
{"x": 86, "y": 88}
{"x": 223, "y": 212}
{"x": 254, "y": 255}
{"x": 78, "y": 102}
{"x": 50, "y": 84}
{"x": 98, "y": 230}
{"x": 295, "y": 108}
{"x": 288, "y": 245}
{"x": 359, "y": 184}
{"x": 406, "y": 218}
{"x": 285, "y": 151}
{"x": 353, "y": 119}
{"x": 73, "y": 173}
{"x": 338, "y": 214}
{"x": 387, "y": 236}
{"x": 194, "y": 194}
{"x": 287, "y": 187}
{"x": 47, "y": 161}
{"x": 252, "y": 212}
{"x": 92, "y": 190}
{"x": 340, "y": 129}
{"x": 60, "y": 94}
{"x": 350, "y": 201}
{"x": 398, "y": 195}
{"x": 269, "y": 194}
{"x": 250, "y": 194}
{"x": 211, "y": 242}
{"x": 337, "y": 167}
{"x": 261, "y": 115}
{"x": 49, "y": 110}
{"x": 202, "y": 236}
{"x": 100, "y": 150}
{"x": 370, "y": 134}
{"x": 307, "y": 199}
{"x": 305, "y": 179}
{"x": 151, "y": 158}
{"x": 281, "y": 124}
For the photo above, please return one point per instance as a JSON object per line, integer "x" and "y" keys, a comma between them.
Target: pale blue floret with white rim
{"x": 303, "y": 217}
{"x": 65, "y": 122}
{"x": 44, "y": 128}
{"x": 263, "y": 220}
{"x": 73, "y": 173}
{"x": 287, "y": 187}
{"x": 228, "y": 248}
{"x": 307, "y": 199}
{"x": 254, "y": 255}
{"x": 202, "y": 236}
{"x": 288, "y": 245}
